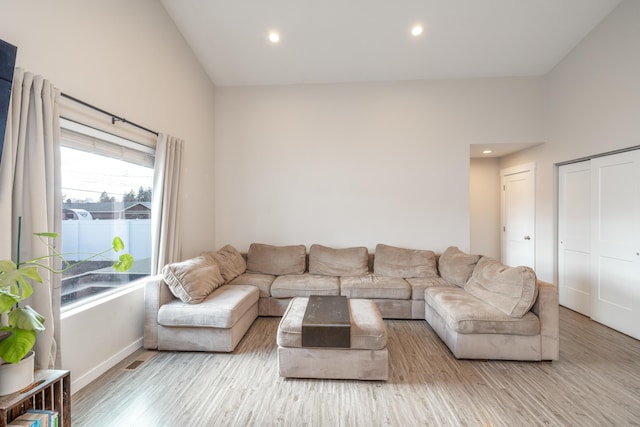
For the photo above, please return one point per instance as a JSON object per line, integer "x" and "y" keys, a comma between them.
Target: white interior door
{"x": 518, "y": 217}
{"x": 574, "y": 236}
{"x": 615, "y": 241}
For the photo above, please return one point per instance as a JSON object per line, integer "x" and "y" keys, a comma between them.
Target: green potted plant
{"x": 19, "y": 324}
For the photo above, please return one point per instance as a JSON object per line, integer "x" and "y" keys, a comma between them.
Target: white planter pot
{"x": 16, "y": 376}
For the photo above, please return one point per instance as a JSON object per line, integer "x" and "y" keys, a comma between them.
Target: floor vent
{"x": 140, "y": 357}
{"x": 134, "y": 365}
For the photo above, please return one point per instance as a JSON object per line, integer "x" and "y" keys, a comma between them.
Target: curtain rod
{"x": 114, "y": 118}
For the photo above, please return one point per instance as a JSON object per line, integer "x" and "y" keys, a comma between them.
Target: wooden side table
{"x": 51, "y": 390}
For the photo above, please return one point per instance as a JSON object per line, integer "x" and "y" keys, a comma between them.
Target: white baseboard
{"x": 84, "y": 380}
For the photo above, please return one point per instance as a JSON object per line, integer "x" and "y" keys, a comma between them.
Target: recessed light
{"x": 274, "y": 37}
{"x": 487, "y": 152}
{"x": 416, "y": 30}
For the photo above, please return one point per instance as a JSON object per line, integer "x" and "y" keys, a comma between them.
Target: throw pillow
{"x": 512, "y": 290}
{"x": 276, "y": 260}
{"x": 338, "y": 262}
{"x": 391, "y": 261}
{"x": 192, "y": 280}
{"x": 230, "y": 261}
{"x": 456, "y": 266}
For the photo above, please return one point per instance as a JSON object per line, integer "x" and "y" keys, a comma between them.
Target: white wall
{"x": 97, "y": 337}
{"x": 484, "y": 206}
{"x": 591, "y": 106}
{"x": 360, "y": 164}
{"x": 126, "y": 57}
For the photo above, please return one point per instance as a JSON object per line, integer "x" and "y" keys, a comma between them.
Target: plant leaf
{"x": 118, "y": 244}
{"x": 52, "y": 235}
{"x": 7, "y": 300}
{"x": 8, "y": 273}
{"x": 17, "y": 281}
{"x": 124, "y": 263}
{"x": 14, "y": 347}
{"x": 7, "y": 265}
{"x": 31, "y": 272}
{"x": 26, "y": 318}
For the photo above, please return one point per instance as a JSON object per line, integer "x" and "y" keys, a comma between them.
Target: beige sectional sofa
{"x": 394, "y": 278}
{"x": 480, "y": 308}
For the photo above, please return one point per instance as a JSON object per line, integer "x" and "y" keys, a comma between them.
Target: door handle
{"x": 527, "y": 237}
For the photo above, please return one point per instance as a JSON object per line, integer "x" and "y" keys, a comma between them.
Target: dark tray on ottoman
{"x": 326, "y": 322}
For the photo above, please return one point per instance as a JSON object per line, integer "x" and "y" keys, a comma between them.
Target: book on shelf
{"x": 36, "y": 418}
{"x": 24, "y": 423}
{"x": 28, "y": 420}
{"x": 52, "y": 416}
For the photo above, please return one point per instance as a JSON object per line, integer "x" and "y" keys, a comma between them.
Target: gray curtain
{"x": 165, "y": 223}
{"x": 30, "y": 188}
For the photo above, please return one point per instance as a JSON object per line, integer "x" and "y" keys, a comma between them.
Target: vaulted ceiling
{"x": 336, "y": 41}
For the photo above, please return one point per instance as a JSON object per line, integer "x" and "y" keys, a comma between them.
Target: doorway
{"x": 518, "y": 215}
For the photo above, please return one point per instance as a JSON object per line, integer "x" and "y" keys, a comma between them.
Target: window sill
{"x": 92, "y": 302}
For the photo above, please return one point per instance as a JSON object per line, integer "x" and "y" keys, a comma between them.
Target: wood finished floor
{"x": 596, "y": 382}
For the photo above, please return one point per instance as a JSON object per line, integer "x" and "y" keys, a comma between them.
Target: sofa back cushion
{"x": 192, "y": 280}
{"x": 230, "y": 262}
{"x": 456, "y": 266}
{"x": 338, "y": 262}
{"x": 512, "y": 290}
{"x": 276, "y": 260}
{"x": 391, "y": 261}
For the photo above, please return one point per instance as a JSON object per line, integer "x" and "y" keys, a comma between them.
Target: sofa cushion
{"x": 457, "y": 266}
{"x": 261, "y": 281}
{"x": 276, "y": 260}
{"x": 221, "y": 309}
{"x": 303, "y": 285}
{"x": 375, "y": 287}
{"x": 391, "y": 261}
{"x": 513, "y": 290}
{"x": 192, "y": 280}
{"x": 466, "y": 314}
{"x": 419, "y": 284}
{"x": 230, "y": 261}
{"x": 338, "y": 262}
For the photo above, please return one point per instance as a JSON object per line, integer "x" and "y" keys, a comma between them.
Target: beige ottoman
{"x": 366, "y": 359}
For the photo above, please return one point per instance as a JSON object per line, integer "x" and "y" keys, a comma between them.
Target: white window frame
{"x": 79, "y": 136}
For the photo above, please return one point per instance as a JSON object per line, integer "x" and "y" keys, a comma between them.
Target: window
{"x": 107, "y": 186}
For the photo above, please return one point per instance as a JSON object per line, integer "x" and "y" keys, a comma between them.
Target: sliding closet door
{"x": 574, "y": 236}
{"x": 615, "y": 241}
